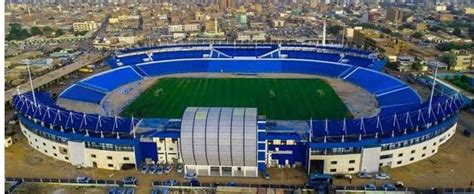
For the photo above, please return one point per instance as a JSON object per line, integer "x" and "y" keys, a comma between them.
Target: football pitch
{"x": 279, "y": 99}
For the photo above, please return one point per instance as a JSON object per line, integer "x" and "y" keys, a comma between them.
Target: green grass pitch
{"x": 279, "y": 99}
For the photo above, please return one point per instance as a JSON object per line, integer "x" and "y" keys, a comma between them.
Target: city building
{"x": 395, "y": 15}
{"x": 250, "y": 36}
{"x": 462, "y": 60}
{"x": 84, "y": 26}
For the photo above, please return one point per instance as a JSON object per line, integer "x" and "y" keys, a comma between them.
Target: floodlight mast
{"x": 324, "y": 33}
{"x": 31, "y": 83}
{"x": 432, "y": 89}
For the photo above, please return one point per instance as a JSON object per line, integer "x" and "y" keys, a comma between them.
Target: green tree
{"x": 434, "y": 28}
{"x": 35, "y": 31}
{"x": 47, "y": 31}
{"x": 448, "y": 59}
{"x": 471, "y": 32}
{"x": 81, "y": 33}
{"x": 335, "y": 29}
{"x": 417, "y": 35}
{"x": 59, "y": 32}
{"x": 16, "y": 32}
{"x": 386, "y": 30}
{"x": 457, "y": 31}
{"x": 416, "y": 66}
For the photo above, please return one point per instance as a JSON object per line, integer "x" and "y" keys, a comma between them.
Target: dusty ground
{"x": 452, "y": 166}
{"x": 23, "y": 161}
{"x": 57, "y": 189}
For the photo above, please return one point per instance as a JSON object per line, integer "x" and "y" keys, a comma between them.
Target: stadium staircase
{"x": 139, "y": 71}
{"x": 348, "y": 72}
{"x": 92, "y": 87}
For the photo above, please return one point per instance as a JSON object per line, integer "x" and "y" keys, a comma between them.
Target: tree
{"x": 457, "y": 31}
{"x": 386, "y": 30}
{"x": 448, "y": 59}
{"x": 81, "y": 33}
{"x": 47, "y": 31}
{"x": 451, "y": 45}
{"x": 35, "y": 31}
{"x": 471, "y": 32}
{"x": 335, "y": 29}
{"x": 16, "y": 32}
{"x": 59, "y": 32}
{"x": 435, "y": 28}
{"x": 417, "y": 35}
{"x": 416, "y": 66}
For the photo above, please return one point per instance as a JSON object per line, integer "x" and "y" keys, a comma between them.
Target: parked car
{"x": 160, "y": 169}
{"x": 180, "y": 168}
{"x": 168, "y": 169}
{"x": 389, "y": 187}
{"x": 370, "y": 187}
{"x": 112, "y": 190}
{"x": 83, "y": 179}
{"x": 266, "y": 175}
{"x": 400, "y": 184}
{"x": 364, "y": 175}
{"x": 145, "y": 168}
{"x": 131, "y": 180}
{"x": 467, "y": 132}
{"x": 232, "y": 184}
{"x": 195, "y": 182}
{"x": 382, "y": 176}
{"x": 190, "y": 176}
{"x": 171, "y": 182}
{"x": 153, "y": 169}
{"x": 348, "y": 177}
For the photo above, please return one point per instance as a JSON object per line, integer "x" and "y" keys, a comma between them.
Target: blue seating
{"x": 110, "y": 80}
{"x": 312, "y": 55}
{"x": 51, "y": 114}
{"x": 77, "y": 92}
{"x": 390, "y": 119}
{"x": 173, "y": 67}
{"x": 317, "y": 68}
{"x": 243, "y": 66}
{"x": 179, "y": 55}
{"x": 358, "y": 61}
{"x": 134, "y": 59}
{"x": 404, "y": 96}
{"x": 373, "y": 81}
{"x": 254, "y": 52}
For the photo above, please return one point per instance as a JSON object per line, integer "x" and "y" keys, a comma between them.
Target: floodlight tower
{"x": 31, "y": 83}
{"x": 324, "y": 33}
{"x": 432, "y": 88}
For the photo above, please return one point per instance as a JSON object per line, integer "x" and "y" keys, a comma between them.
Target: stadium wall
{"x": 353, "y": 162}
{"x": 109, "y": 154}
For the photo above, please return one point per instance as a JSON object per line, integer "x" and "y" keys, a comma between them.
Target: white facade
{"x": 353, "y": 163}
{"x": 47, "y": 147}
{"x": 105, "y": 159}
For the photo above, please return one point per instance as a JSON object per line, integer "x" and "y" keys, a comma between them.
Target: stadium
{"x": 237, "y": 109}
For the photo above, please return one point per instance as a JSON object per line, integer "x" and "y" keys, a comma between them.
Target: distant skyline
{"x": 238, "y": 2}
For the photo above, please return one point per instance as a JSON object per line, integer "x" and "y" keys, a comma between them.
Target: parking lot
{"x": 23, "y": 161}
